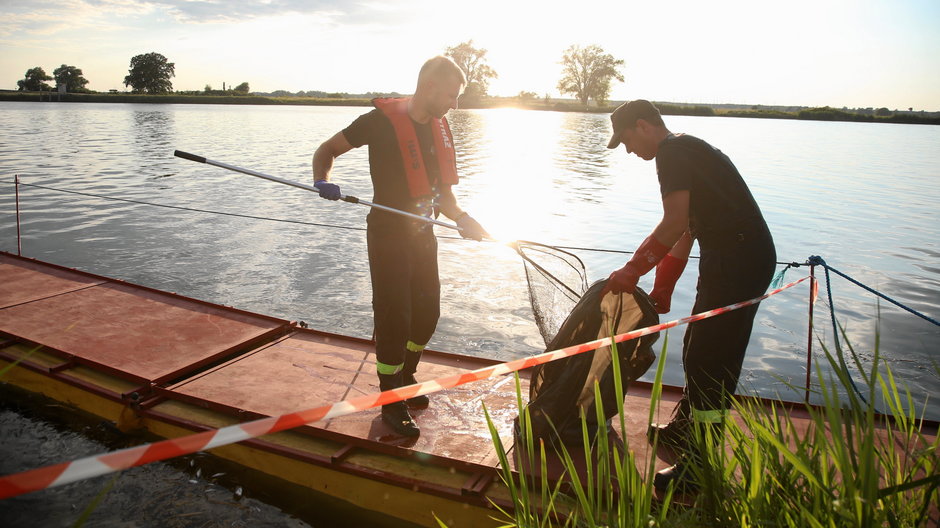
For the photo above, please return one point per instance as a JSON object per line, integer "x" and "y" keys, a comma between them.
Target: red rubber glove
{"x": 668, "y": 272}
{"x": 624, "y": 280}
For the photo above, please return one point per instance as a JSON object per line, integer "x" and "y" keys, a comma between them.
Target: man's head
{"x": 440, "y": 83}
{"x": 638, "y": 125}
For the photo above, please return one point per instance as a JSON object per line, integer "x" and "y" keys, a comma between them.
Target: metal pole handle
{"x": 343, "y": 197}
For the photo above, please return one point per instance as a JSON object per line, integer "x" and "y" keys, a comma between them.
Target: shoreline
{"x": 756, "y": 111}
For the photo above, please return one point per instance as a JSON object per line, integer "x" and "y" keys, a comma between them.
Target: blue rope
{"x": 818, "y": 261}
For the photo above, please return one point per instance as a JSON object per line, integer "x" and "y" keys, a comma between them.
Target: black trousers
{"x": 406, "y": 289}
{"x": 732, "y": 269}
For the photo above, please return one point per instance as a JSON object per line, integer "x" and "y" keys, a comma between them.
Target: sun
{"x": 507, "y": 158}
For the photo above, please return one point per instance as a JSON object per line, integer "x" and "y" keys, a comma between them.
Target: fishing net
{"x": 568, "y": 312}
{"x": 557, "y": 280}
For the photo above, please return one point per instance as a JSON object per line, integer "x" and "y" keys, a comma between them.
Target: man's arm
{"x": 469, "y": 228}
{"x": 448, "y": 203}
{"x": 328, "y": 151}
{"x": 670, "y": 268}
{"x": 674, "y": 226}
{"x": 323, "y": 158}
{"x": 672, "y": 229}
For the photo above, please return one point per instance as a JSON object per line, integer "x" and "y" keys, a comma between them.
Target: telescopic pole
{"x": 343, "y": 197}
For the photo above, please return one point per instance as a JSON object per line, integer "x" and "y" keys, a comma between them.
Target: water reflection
{"x": 154, "y": 133}
{"x": 194, "y": 490}
{"x": 509, "y": 167}
{"x": 582, "y": 145}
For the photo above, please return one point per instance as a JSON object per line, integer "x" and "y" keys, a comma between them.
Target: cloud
{"x": 355, "y": 13}
{"x": 215, "y": 11}
{"x": 48, "y": 17}
{"x": 23, "y": 20}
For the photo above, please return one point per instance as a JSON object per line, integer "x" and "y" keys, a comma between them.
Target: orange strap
{"x": 396, "y": 109}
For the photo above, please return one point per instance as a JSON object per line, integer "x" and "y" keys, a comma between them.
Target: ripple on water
{"x": 860, "y": 195}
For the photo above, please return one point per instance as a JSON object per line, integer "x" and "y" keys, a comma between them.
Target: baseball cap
{"x": 626, "y": 115}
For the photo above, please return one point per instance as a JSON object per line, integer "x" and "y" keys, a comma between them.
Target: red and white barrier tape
{"x": 93, "y": 466}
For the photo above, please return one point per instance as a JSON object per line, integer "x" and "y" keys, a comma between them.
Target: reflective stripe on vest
{"x": 396, "y": 109}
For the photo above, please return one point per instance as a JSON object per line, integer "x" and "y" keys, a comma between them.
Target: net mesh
{"x": 557, "y": 280}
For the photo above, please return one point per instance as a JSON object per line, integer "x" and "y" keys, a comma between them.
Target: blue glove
{"x": 328, "y": 190}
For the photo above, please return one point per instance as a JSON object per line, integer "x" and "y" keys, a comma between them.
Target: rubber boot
{"x": 706, "y": 430}
{"x": 681, "y": 475}
{"x": 678, "y": 432}
{"x": 412, "y": 358}
{"x": 395, "y": 415}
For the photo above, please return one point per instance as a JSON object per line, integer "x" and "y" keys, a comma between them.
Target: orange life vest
{"x": 396, "y": 109}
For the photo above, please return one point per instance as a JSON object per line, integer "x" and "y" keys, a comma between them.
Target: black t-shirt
{"x": 719, "y": 200}
{"x": 389, "y": 182}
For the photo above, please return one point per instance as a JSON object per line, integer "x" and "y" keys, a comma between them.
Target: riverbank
{"x": 174, "y": 99}
{"x": 758, "y": 111}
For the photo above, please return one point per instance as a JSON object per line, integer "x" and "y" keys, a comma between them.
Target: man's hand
{"x": 624, "y": 280}
{"x": 470, "y": 228}
{"x": 328, "y": 190}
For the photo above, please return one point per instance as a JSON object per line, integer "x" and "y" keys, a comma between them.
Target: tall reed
{"x": 837, "y": 464}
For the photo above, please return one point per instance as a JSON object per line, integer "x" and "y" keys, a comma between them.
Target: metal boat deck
{"x": 174, "y": 365}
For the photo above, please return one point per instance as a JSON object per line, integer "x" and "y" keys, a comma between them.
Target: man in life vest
{"x": 705, "y": 199}
{"x": 413, "y": 166}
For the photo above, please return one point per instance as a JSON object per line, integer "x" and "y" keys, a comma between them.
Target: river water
{"x": 864, "y": 196}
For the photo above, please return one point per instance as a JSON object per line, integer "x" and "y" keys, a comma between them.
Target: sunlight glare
{"x": 509, "y": 196}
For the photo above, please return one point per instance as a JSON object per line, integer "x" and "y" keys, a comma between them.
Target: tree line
{"x": 149, "y": 73}
{"x": 69, "y": 76}
{"x": 587, "y": 73}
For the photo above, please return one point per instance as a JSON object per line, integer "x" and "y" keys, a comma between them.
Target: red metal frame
{"x": 16, "y": 186}
{"x": 809, "y": 331}
{"x": 60, "y": 373}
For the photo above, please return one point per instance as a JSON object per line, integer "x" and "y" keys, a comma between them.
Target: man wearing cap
{"x": 413, "y": 166}
{"x": 704, "y": 199}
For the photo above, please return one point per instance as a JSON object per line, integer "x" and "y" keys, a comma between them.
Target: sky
{"x": 840, "y": 53}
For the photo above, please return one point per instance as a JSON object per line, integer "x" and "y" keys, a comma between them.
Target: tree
{"x": 242, "y": 89}
{"x": 34, "y": 81}
{"x": 473, "y": 63}
{"x": 150, "y": 73}
{"x": 587, "y": 73}
{"x": 71, "y": 77}
{"x": 527, "y": 97}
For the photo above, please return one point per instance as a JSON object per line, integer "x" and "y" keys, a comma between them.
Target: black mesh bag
{"x": 561, "y": 390}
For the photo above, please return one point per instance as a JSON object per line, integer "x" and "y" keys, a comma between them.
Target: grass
{"x": 845, "y": 466}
